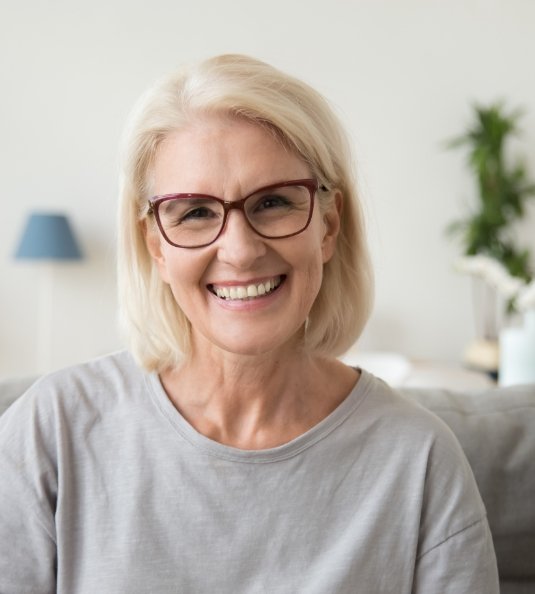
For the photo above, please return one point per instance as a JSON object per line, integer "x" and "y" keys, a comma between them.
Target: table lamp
{"x": 47, "y": 238}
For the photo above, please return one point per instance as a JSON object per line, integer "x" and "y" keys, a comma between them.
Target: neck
{"x": 257, "y": 402}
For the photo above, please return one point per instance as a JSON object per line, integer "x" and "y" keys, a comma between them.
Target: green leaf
{"x": 503, "y": 187}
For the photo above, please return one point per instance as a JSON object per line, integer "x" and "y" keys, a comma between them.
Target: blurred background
{"x": 401, "y": 74}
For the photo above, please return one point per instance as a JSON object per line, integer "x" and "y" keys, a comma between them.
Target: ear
{"x": 153, "y": 241}
{"x": 331, "y": 223}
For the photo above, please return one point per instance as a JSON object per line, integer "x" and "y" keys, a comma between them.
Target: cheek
{"x": 184, "y": 271}
{"x": 177, "y": 274}
{"x": 177, "y": 267}
{"x": 180, "y": 284}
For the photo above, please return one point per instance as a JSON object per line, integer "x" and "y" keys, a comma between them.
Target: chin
{"x": 258, "y": 346}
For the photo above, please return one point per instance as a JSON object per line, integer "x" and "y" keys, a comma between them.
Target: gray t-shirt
{"x": 105, "y": 488}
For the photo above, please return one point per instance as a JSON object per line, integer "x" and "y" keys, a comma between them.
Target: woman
{"x": 230, "y": 451}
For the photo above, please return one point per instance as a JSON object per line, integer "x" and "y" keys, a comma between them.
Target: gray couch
{"x": 496, "y": 429}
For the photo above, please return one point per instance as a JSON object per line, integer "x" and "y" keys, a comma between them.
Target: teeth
{"x": 248, "y": 292}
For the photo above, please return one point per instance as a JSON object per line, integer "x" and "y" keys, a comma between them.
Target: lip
{"x": 247, "y": 303}
{"x": 245, "y": 283}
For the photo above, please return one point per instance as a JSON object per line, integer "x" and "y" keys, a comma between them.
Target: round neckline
{"x": 282, "y": 452}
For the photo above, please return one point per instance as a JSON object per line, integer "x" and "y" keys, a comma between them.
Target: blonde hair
{"x": 158, "y": 332}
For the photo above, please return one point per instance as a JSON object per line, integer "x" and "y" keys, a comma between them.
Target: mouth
{"x": 247, "y": 292}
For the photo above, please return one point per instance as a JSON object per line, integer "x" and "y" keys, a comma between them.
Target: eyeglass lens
{"x": 196, "y": 221}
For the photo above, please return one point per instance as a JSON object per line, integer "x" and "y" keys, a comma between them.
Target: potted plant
{"x": 487, "y": 229}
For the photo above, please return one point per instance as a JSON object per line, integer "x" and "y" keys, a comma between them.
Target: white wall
{"x": 401, "y": 74}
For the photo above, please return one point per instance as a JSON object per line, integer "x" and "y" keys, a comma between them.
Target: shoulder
{"x": 110, "y": 370}
{"x": 74, "y": 393}
{"x": 418, "y": 444}
{"x": 91, "y": 376}
{"x": 403, "y": 419}
{"x": 425, "y": 457}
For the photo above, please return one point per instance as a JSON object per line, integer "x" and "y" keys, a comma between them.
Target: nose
{"x": 238, "y": 244}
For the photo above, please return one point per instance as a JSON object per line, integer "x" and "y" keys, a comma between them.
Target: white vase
{"x": 517, "y": 353}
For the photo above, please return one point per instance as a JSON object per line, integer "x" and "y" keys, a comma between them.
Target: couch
{"x": 496, "y": 429}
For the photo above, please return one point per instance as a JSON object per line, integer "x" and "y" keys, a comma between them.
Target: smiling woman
{"x": 294, "y": 122}
{"x": 259, "y": 461}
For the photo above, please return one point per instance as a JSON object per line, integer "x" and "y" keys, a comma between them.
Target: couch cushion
{"x": 496, "y": 429}
{"x": 10, "y": 390}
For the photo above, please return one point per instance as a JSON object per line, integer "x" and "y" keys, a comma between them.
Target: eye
{"x": 189, "y": 211}
{"x": 272, "y": 201}
{"x": 197, "y": 213}
{"x": 279, "y": 202}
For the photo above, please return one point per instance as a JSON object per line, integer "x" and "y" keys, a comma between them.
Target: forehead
{"x": 220, "y": 154}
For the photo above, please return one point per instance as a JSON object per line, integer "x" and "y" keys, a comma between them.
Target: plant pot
{"x": 517, "y": 353}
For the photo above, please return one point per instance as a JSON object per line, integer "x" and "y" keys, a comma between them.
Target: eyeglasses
{"x": 273, "y": 212}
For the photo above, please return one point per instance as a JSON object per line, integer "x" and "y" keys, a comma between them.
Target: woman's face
{"x": 231, "y": 158}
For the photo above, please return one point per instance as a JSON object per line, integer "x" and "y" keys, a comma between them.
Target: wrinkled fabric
{"x": 106, "y": 488}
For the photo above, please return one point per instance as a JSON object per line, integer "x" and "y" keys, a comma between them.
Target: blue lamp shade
{"x": 48, "y": 237}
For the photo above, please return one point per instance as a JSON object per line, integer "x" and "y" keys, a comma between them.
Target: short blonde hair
{"x": 157, "y": 330}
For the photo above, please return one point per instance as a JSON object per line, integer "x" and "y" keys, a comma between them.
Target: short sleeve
{"x": 455, "y": 553}
{"x": 463, "y": 563}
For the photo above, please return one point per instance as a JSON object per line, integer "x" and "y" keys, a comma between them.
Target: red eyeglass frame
{"x": 311, "y": 185}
